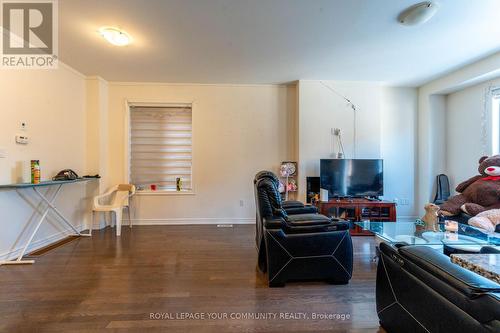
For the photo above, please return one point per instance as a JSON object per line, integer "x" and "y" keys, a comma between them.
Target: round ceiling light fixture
{"x": 418, "y": 14}
{"x": 115, "y": 36}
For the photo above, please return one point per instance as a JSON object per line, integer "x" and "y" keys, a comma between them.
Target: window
{"x": 161, "y": 147}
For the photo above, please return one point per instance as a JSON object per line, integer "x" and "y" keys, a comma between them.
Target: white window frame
{"x": 127, "y": 142}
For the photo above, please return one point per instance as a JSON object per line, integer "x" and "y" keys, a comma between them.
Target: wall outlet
{"x": 401, "y": 201}
{"x": 23, "y": 126}
{"x": 242, "y": 203}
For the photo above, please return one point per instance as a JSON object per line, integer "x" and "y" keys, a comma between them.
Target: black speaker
{"x": 312, "y": 188}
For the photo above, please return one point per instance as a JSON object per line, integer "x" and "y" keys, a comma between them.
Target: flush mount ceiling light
{"x": 115, "y": 36}
{"x": 418, "y": 14}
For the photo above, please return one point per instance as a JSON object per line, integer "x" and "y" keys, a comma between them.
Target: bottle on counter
{"x": 35, "y": 172}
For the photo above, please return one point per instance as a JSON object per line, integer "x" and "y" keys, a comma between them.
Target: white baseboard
{"x": 193, "y": 220}
{"x": 204, "y": 221}
{"x": 38, "y": 244}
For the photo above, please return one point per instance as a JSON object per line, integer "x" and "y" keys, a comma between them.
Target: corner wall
{"x": 320, "y": 110}
{"x": 432, "y": 109}
{"x": 97, "y": 148}
{"x": 464, "y": 131}
{"x": 398, "y": 147}
{"x": 385, "y": 128}
{"x": 52, "y": 103}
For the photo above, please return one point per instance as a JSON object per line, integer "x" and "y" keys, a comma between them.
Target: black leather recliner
{"x": 421, "y": 290}
{"x": 299, "y": 246}
{"x": 290, "y": 206}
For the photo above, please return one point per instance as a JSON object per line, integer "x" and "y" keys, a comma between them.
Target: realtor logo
{"x": 29, "y": 34}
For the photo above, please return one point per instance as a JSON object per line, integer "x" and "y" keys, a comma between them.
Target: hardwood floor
{"x": 106, "y": 283}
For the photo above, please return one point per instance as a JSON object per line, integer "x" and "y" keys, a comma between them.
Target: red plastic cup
{"x": 153, "y": 187}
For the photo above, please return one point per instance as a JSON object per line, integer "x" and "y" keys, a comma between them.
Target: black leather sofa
{"x": 298, "y": 246}
{"x": 421, "y": 290}
{"x": 489, "y": 250}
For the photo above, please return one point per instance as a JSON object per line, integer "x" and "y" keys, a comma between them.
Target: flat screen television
{"x": 352, "y": 177}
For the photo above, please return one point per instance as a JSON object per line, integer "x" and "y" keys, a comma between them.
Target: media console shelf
{"x": 357, "y": 210}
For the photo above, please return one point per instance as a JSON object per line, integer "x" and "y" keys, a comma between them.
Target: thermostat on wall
{"x": 22, "y": 139}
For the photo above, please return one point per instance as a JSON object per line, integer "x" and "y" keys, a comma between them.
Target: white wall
{"x": 320, "y": 110}
{"x": 398, "y": 147}
{"x": 238, "y": 130}
{"x": 97, "y": 146}
{"x": 385, "y": 124}
{"x": 464, "y": 131}
{"x": 52, "y": 103}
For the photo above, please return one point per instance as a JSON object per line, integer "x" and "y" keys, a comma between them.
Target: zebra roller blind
{"x": 161, "y": 147}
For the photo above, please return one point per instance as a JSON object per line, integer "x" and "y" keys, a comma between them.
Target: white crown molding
{"x": 96, "y": 78}
{"x": 166, "y": 84}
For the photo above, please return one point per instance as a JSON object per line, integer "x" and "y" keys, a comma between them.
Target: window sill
{"x": 181, "y": 193}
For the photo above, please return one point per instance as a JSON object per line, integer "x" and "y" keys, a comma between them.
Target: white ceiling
{"x": 275, "y": 41}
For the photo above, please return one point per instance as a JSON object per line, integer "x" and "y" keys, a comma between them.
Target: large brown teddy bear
{"x": 479, "y": 193}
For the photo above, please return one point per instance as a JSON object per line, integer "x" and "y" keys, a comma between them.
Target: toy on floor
{"x": 479, "y": 193}
{"x": 487, "y": 220}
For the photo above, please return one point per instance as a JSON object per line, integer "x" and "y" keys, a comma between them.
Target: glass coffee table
{"x": 467, "y": 238}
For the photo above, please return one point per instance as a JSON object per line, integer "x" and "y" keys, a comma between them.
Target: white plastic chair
{"x": 117, "y": 198}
